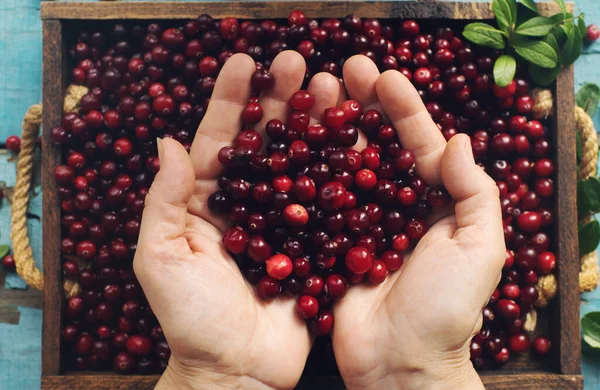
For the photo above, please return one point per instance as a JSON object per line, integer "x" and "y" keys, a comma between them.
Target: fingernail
{"x": 469, "y": 150}
{"x": 159, "y": 148}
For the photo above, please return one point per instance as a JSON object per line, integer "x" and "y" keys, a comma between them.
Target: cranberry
{"x": 508, "y": 308}
{"x": 262, "y": 80}
{"x": 279, "y": 267}
{"x": 258, "y": 249}
{"x": 236, "y": 240}
{"x": 541, "y": 345}
{"x": 313, "y": 286}
{"x": 307, "y": 306}
{"x": 322, "y": 324}
{"x": 546, "y": 262}
{"x": 593, "y": 33}
{"x": 359, "y": 260}
{"x": 8, "y": 262}
{"x": 518, "y": 343}
{"x": 378, "y": 272}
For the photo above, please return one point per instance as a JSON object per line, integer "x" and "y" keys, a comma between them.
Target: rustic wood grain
{"x": 567, "y": 314}
{"x": 54, "y": 69}
{"x": 279, "y": 9}
{"x": 504, "y": 381}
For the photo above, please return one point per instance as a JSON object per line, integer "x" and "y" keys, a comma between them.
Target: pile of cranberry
{"x": 309, "y": 214}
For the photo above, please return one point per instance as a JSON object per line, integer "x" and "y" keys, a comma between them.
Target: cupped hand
{"x": 413, "y": 331}
{"x": 220, "y": 332}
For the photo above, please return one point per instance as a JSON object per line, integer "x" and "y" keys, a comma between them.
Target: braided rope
{"x": 588, "y": 275}
{"x": 25, "y": 263}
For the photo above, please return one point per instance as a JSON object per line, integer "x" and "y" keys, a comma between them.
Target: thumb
{"x": 164, "y": 216}
{"x": 477, "y": 209}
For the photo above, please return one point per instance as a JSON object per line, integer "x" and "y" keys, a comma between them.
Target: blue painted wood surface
{"x": 20, "y": 87}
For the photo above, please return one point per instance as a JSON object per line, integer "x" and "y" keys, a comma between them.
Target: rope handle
{"x": 25, "y": 263}
{"x": 588, "y": 274}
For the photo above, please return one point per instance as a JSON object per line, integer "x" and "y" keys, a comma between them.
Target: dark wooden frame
{"x": 565, "y": 372}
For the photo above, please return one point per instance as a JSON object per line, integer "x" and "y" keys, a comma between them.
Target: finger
{"x": 288, "y": 69}
{"x": 360, "y": 77}
{"x": 223, "y": 117}
{"x": 328, "y": 92}
{"x": 416, "y": 130}
{"x": 165, "y": 211}
{"x": 478, "y": 214}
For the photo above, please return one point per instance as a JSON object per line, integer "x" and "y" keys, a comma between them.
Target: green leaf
{"x": 537, "y": 52}
{"x": 588, "y": 197}
{"x": 484, "y": 35}
{"x": 506, "y": 13}
{"x": 590, "y": 326}
{"x": 578, "y": 149}
{"x": 572, "y": 49}
{"x": 4, "y": 249}
{"x": 559, "y": 34}
{"x": 562, "y": 5}
{"x": 504, "y": 70}
{"x": 529, "y": 4}
{"x": 536, "y": 27}
{"x": 592, "y": 342}
{"x": 581, "y": 26}
{"x": 551, "y": 40}
{"x": 543, "y": 77}
{"x": 588, "y": 98}
{"x": 589, "y": 237}
{"x": 558, "y": 18}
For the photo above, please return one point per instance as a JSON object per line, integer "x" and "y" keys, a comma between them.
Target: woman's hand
{"x": 220, "y": 332}
{"x": 413, "y": 331}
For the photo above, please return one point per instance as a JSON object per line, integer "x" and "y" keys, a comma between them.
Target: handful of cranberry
{"x": 313, "y": 215}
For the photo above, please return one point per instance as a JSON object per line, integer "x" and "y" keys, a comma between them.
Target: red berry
{"x": 13, "y": 143}
{"x": 334, "y": 118}
{"x": 279, "y": 267}
{"x": 518, "y": 343}
{"x": 322, "y": 324}
{"x": 365, "y": 179}
{"x": 296, "y": 17}
{"x": 505, "y": 92}
{"x": 307, "y": 306}
{"x": 8, "y": 262}
{"x": 546, "y": 262}
{"x": 378, "y": 272}
{"x": 593, "y": 33}
{"x": 235, "y": 240}
{"x": 295, "y": 215}
{"x": 359, "y": 260}
{"x": 302, "y": 100}
{"x": 139, "y": 345}
{"x": 541, "y": 345}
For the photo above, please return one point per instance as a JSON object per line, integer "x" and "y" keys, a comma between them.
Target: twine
{"x": 25, "y": 263}
{"x": 588, "y": 275}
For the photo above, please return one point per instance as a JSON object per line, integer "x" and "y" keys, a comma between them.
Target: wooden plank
{"x": 99, "y": 382}
{"x": 504, "y": 381}
{"x": 280, "y": 9}
{"x": 532, "y": 381}
{"x": 567, "y": 313}
{"x": 53, "y": 87}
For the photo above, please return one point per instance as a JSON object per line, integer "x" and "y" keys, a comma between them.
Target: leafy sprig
{"x": 545, "y": 43}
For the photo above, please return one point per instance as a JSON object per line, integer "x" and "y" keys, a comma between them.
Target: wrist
{"x": 179, "y": 376}
{"x": 431, "y": 376}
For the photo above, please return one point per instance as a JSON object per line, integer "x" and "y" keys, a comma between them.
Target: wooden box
{"x": 561, "y": 371}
